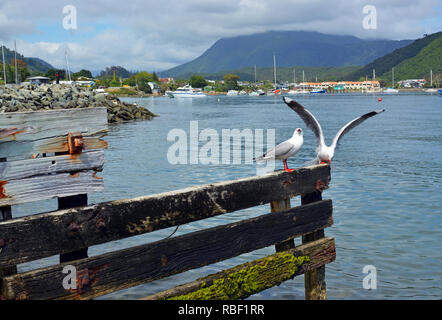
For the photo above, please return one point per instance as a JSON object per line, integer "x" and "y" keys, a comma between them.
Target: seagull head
{"x": 298, "y": 132}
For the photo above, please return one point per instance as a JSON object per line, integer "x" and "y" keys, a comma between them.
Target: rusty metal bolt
{"x": 73, "y": 227}
{"x": 100, "y": 223}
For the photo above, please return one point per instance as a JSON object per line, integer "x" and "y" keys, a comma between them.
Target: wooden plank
{"x": 125, "y": 218}
{"x": 13, "y": 170}
{"x": 252, "y": 277}
{"x": 6, "y": 214}
{"x": 314, "y": 281}
{"x": 14, "y": 150}
{"x": 49, "y": 186}
{"x": 276, "y": 206}
{"x": 72, "y": 202}
{"x": 129, "y": 267}
{"x": 40, "y": 125}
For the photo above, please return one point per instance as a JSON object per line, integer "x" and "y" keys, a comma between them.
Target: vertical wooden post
{"x": 6, "y": 214}
{"x": 276, "y": 206}
{"x": 66, "y": 203}
{"x": 314, "y": 280}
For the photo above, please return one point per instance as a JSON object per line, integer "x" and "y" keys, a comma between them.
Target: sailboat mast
{"x": 274, "y": 68}
{"x": 303, "y": 81}
{"x": 255, "y": 74}
{"x": 68, "y": 75}
{"x": 15, "y": 61}
{"x": 392, "y": 78}
{"x": 294, "y": 76}
{"x": 431, "y": 78}
{"x": 4, "y": 64}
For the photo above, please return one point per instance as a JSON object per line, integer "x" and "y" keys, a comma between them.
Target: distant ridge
{"x": 412, "y": 61}
{"x": 35, "y": 65}
{"x": 291, "y": 48}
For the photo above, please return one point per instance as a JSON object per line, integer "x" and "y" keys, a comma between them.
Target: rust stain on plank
{"x": 3, "y": 194}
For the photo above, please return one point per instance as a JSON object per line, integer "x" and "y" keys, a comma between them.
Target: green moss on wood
{"x": 243, "y": 281}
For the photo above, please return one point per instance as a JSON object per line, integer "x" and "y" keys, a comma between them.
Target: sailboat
{"x": 392, "y": 89}
{"x": 4, "y": 64}
{"x": 275, "y": 90}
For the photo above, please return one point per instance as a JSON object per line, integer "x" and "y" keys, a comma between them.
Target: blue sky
{"x": 157, "y": 35}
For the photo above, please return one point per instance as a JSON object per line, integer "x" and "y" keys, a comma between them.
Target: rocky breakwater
{"x": 52, "y": 97}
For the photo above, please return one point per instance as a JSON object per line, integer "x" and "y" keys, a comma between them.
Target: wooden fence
{"x": 30, "y": 172}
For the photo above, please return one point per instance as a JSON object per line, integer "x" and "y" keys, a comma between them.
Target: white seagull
{"x": 325, "y": 153}
{"x": 285, "y": 149}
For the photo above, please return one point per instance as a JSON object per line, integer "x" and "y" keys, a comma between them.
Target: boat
{"x": 318, "y": 91}
{"x": 431, "y": 90}
{"x": 253, "y": 94}
{"x": 186, "y": 92}
{"x": 392, "y": 89}
{"x": 232, "y": 92}
{"x": 440, "y": 92}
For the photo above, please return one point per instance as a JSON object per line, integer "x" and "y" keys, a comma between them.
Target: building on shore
{"x": 412, "y": 83}
{"x": 39, "y": 80}
{"x": 341, "y": 85}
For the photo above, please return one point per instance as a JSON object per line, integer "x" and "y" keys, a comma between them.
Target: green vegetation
{"x": 82, "y": 74}
{"x": 35, "y": 66}
{"x": 243, "y": 281}
{"x": 412, "y": 61}
{"x": 198, "y": 81}
{"x": 285, "y": 73}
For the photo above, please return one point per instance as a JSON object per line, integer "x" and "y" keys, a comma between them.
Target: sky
{"x": 157, "y": 35}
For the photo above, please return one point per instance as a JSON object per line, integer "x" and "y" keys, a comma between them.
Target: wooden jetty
{"x": 57, "y": 154}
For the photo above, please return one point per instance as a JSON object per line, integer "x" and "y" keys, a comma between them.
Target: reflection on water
{"x": 385, "y": 186}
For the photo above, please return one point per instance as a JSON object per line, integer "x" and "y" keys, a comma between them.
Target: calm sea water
{"x": 385, "y": 187}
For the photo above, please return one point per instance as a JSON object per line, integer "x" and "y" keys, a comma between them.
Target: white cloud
{"x": 156, "y": 35}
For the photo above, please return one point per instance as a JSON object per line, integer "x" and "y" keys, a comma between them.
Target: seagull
{"x": 285, "y": 149}
{"x": 325, "y": 153}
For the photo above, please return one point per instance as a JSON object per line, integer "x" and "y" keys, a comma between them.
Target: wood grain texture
{"x": 13, "y": 170}
{"x": 314, "y": 281}
{"x": 320, "y": 252}
{"x": 49, "y": 186}
{"x": 125, "y": 218}
{"x": 129, "y": 267}
{"x": 276, "y": 206}
{"x": 40, "y": 125}
{"x": 27, "y": 149}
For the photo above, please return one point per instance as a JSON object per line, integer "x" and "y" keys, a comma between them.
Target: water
{"x": 385, "y": 185}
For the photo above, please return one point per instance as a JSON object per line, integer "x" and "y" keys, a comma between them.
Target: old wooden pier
{"x": 58, "y": 154}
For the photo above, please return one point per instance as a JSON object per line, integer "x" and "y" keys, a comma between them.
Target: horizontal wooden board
{"x": 47, "y": 187}
{"x": 125, "y": 218}
{"x": 129, "y": 267}
{"x": 319, "y": 252}
{"x": 38, "y": 125}
{"x": 13, "y": 170}
{"x": 13, "y": 150}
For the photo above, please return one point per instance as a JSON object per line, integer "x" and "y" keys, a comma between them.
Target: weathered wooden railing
{"x": 76, "y": 226}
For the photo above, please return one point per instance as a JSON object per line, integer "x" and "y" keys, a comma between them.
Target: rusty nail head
{"x": 75, "y": 142}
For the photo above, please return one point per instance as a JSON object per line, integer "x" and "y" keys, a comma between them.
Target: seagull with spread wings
{"x": 325, "y": 153}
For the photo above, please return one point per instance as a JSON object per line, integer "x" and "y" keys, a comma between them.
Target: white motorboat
{"x": 232, "y": 92}
{"x": 186, "y": 92}
{"x": 391, "y": 90}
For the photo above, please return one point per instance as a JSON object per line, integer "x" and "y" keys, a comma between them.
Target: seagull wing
{"x": 345, "y": 129}
{"x": 308, "y": 118}
{"x": 279, "y": 151}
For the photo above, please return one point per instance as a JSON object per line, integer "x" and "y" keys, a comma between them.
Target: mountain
{"x": 412, "y": 61}
{"x": 291, "y": 48}
{"x": 35, "y": 65}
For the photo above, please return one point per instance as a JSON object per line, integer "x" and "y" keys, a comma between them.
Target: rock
{"x": 45, "y": 97}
